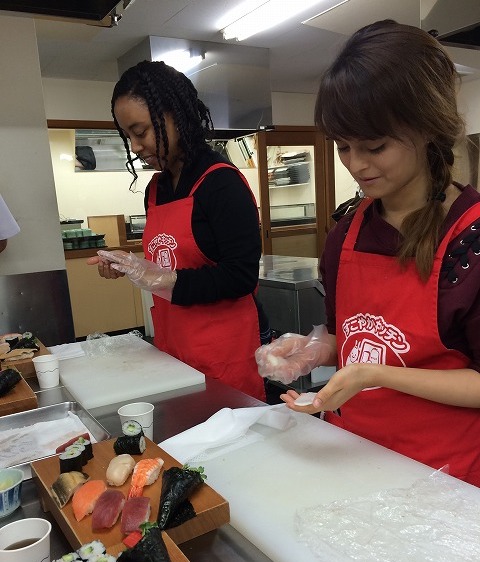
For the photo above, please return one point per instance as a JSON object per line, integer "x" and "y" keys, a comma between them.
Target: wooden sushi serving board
{"x": 19, "y": 399}
{"x": 25, "y": 366}
{"x": 212, "y": 509}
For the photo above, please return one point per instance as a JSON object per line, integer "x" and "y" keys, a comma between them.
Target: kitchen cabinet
{"x": 102, "y": 305}
{"x": 296, "y": 186}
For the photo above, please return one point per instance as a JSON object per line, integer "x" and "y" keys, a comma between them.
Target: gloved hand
{"x": 292, "y": 355}
{"x": 143, "y": 273}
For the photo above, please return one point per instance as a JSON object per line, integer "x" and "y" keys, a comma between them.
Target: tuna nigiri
{"x": 85, "y": 497}
{"x": 135, "y": 511}
{"x": 119, "y": 469}
{"x": 107, "y": 509}
{"x": 145, "y": 473}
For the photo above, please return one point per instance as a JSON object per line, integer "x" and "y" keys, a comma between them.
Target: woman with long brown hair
{"x": 401, "y": 270}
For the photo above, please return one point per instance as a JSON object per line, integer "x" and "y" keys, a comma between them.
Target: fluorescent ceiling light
{"x": 253, "y": 16}
{"x": 181, "y": 59}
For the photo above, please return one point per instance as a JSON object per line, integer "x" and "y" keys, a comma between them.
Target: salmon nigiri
{"x": 85, "y": 498}
{"x": 145, "y": 473}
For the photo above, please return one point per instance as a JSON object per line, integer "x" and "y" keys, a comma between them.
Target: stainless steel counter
{"x": 292, "y": 296}
{"x": 290, "y": 272}
{"x": 175, "y": 411}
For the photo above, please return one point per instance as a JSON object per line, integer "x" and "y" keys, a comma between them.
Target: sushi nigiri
{"x": 135, "y": 512}
{"x": 84, "y": 498}
{"x": 119, "y": 469}
{"x": 145, "y": 473}
{"x": 66, "y": 485}
{"x": 107, "y": 510}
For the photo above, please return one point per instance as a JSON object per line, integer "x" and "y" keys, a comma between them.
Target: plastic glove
{"x": 143, "y": 273}
{"x": 292, "y": 355}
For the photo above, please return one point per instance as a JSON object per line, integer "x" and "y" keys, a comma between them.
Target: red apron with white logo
{"x": 219, "y": 339}
{"x": 388, "y": 316}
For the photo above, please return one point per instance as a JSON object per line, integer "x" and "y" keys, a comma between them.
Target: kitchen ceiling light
{"x": 181, "y": 59}
{"x": 254, "y": 16}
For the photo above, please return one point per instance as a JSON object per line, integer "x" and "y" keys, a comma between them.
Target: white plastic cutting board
{"x": 308, "y": 465}
{"x": 137, "y": 371}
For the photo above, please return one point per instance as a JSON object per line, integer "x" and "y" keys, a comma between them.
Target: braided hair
{"x": 165, "y": 90}
{"x": 388, "y": 76}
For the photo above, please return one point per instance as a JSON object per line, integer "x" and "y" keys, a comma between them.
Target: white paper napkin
{"x": 67, "y": 350}
{"x": 225, "y": 430}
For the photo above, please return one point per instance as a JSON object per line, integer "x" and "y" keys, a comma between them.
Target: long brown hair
{"x": 388, "y": 76}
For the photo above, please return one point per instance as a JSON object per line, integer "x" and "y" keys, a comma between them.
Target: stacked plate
{"x": 299, "y": 172}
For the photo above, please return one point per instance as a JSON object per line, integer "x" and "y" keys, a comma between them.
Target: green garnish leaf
{"x": 144, "y": 527}
{"x": 199, "y": 469}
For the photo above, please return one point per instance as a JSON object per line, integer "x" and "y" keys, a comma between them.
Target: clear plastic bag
{"x": 100, "y": 345}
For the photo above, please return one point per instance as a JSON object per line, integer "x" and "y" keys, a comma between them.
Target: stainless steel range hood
{"x": 455, "y": 23}
{"x": 232, "y": 80}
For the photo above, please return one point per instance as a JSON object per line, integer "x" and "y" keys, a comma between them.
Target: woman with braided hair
{"x": 401, "y": 269}
{"x": 201, "y": 240}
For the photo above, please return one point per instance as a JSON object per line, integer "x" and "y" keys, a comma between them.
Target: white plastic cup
{"x": 18, "y": 534}
{"x": 142, "y": 412}
{"x": 47, "y": 368}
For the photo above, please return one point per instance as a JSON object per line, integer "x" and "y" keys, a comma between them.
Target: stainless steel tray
{"x": 51, "y": 413}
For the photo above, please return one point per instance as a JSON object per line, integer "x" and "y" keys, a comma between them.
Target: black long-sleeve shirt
{"x": 226, "y": 228}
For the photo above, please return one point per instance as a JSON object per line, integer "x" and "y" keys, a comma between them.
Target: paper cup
{"x": 25, "y": 540}
{"x": 142, "y": 412}
{"x": 47, "y": 369}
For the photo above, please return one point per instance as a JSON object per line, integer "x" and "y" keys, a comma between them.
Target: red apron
{"x": 388, "y": 316}
{"x": 219, "y": 339}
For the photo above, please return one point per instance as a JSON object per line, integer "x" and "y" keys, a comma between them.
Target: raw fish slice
{"x": 66, "y": 485}
{"x": 119, "y": 469}
{"x": 84, "y": 498}
{"x": 107, "y": 509}
{"x": 135, "y": 511}
{"x": 145, "y": 473}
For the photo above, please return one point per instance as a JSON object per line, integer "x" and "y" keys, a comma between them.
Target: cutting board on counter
{"x": 19, "y": 399}
{"x": 211, "y": 509}
{"x": 310, "y": 464}
{"x": 131, "y": 372}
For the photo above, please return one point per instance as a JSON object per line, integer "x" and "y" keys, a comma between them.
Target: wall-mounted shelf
{"x": 287, "y": 185}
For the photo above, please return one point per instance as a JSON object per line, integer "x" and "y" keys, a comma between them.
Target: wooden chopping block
{"x": 25, "y": 366}
{"x": 19, "y": 399}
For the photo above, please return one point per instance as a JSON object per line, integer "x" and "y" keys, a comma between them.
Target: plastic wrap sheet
{"x": 101, "y": 345}
{"x": 433, "y": 520}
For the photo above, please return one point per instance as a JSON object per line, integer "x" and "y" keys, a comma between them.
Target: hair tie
{"x": 440, "y": 196}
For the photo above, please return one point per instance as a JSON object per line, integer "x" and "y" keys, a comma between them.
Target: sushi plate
{"x": 211, "y": 508}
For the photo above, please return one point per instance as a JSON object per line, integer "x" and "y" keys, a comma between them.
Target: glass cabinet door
{"x": 295, "y": 167}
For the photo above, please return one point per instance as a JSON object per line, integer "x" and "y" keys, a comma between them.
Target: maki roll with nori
{"x": 132, "y": 427}
{"x": 177, "y": 485}
{"x": 150, "y": 548}
{"x": 79, "y": 448}
{"x": 130, "y": 444}
{"x": 88, "y": 447}
{"x": 70, "y": 557}
{"x": 91, "y": 550}
{"x": 8, "y": 379}
{"x": 71, "y": 460}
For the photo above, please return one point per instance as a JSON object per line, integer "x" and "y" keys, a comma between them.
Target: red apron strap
{"x": 212, "y": 169}
{"x": 152, "y": 193}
